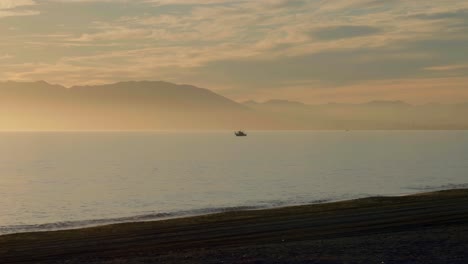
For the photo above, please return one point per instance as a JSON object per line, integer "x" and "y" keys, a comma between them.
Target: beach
{"x": 421, "y": 228}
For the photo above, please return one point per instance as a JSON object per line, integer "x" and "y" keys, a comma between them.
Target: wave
{"x": 69, "y": 225}
{"x": 426, "y": 188}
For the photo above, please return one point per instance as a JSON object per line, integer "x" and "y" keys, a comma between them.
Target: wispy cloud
{"x": 9, "y": 8}
{"x": 10, "y": 4}
{"x": 448, "y": 67}
{"x": 5, "y": 56}
{"x": 256, "y": 44}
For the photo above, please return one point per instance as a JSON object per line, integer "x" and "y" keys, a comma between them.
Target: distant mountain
{"x": 276, "y": 105}
{"x": 151, "y": 105}
{"x": 158, "y": 94}
{"x": 275, "y": 102}
{"x": 377, "y": 114}
{"x": 124, "y": 105}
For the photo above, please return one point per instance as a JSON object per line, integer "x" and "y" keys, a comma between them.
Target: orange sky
{"x": 309, "y": 50}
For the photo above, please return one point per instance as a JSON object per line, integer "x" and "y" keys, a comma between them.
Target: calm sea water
{"x": 54, "y": 181}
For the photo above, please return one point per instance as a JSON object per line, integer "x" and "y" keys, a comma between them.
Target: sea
{"x": 68, "y": 180}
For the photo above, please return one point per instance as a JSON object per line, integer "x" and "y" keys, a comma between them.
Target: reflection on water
{"x": 64, "y": 180}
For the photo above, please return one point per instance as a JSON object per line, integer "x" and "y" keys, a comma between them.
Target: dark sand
{"x": 425, "y": 228}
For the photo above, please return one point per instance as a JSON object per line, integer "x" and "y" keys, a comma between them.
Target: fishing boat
{"x": 240, "y": 133}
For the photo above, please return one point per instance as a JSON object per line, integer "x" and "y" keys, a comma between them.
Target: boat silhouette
{"x": 240, "y": 133}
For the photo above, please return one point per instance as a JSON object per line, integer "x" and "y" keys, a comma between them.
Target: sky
{"x": 314, "y": 51}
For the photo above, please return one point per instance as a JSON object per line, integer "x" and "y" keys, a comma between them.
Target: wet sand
{"x": 424, "y": 228}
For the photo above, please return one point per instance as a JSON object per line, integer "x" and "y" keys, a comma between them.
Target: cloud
{"x": 9, "y": 8}
{"x": 341, "y": 32}
{"x": 11, "y": 4}
{"x": 448, "y": 67}
{"x": 5, "y": 56}
{"x": 18, "y": 13}
{"x": 189, "y": 2}
{"x": 90, "y": 1}
{"x": 114, "y": 34}
{"x": 455, "y": 14}
{"x": 243, "y": 44}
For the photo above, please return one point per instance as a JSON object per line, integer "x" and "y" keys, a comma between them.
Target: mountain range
{"x": 156, "y": 105}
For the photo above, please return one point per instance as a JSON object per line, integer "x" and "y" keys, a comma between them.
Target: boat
{"x": 240, "y": 133}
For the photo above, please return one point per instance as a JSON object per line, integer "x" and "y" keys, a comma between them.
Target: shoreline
{"x": 165, "y": 216}
{"x": 244, "y": 231}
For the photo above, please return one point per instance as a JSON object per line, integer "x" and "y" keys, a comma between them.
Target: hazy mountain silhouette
{"x": 147, "y": 105}
{"x": 277, "y": 103}
{"x": 157, "y": 94}
{"x": 377, "y": 114}
{"x": 124, "y": 105}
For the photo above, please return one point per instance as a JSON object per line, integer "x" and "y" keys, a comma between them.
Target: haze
{"x": 340, "y": 64}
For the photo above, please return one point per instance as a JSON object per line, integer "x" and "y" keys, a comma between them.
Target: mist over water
{"x": 67, "y": 180}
